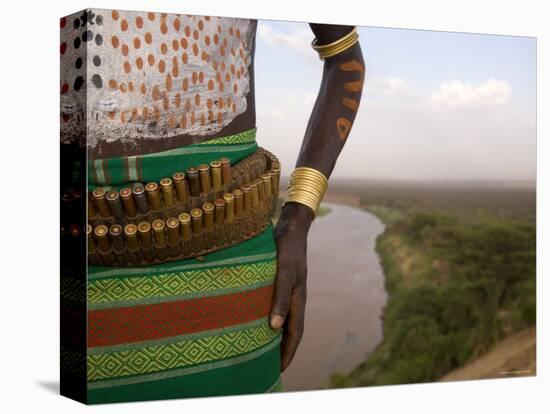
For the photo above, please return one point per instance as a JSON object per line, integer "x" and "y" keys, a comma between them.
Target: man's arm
{"x": 329, "y": 126}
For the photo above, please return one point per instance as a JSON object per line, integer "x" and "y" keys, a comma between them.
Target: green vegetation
{"x": 459, "y": 278}
{"x": 323, "y": 210}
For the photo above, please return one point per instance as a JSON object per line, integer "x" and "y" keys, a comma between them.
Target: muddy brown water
{"x": 346, "y": 297}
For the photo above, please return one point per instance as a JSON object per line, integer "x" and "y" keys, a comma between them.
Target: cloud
{"x": 299, "y": 39}
{"x": 457, "y": 94}
{"x": 390, "y": 87}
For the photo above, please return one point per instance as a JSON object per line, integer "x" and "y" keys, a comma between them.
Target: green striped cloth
{"x": 118, "y": 172}
{"x": 191, "y": 328}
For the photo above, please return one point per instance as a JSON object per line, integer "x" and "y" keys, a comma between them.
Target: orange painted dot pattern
{"x": 186, "y": 73}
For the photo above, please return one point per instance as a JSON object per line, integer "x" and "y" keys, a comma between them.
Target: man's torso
{"x": 150, "y": 82}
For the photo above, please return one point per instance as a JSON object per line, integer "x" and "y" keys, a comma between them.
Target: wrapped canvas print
{"x": 258, "y": 206}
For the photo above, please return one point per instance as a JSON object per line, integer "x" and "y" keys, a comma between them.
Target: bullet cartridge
{"x": 145, "y": 236}
{"x": 255, "y": 195}
{"x": 128, "y": 202}
{"x": 117, "y": 239}
{"x": 172, "y": 226}
{"x": 181, "y": 187}
{"x": 206, "y": 182}
{"x": 194, "y": 182}
{"x": 261, "y": 190}
{"x": 229, "y": 207}
{"x": 99, "y": 197}
{"x": 101, "y": 237}
{"x": 219, "y": 212}
{"x": 158, "y": 231}
{"x": 185, "y": 226}
{"x": 208, "y": 210}
{"x": 216, "y": 170}
{"x": 119, "y": 248}
{"x": 141, "y": 200}
{"x": 196, "y": 217}
{"x": 132, "y": 243}
{"x": 226, "y": 171}
{"x": 146, "y": 239}
{"x": 130, "y": 231}
{"x": 239, "y": 205}
{"x": 153, "y": 195}
{"x": 267, "y": 185}
{"x": 105, "y": 252}
{"x": 115, "y": 206}
{"x": 167, "y": 192}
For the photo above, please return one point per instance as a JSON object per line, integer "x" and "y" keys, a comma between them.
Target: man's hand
{"x": 289, "y": 301}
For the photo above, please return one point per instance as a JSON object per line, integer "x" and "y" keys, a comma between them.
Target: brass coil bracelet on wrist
{"x": 336, "y": 47}
{"x": 307, "y": 186}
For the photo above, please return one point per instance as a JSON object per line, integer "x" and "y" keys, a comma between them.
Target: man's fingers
{"x": 281, "y": 298}
{"x": 294, "y": 327}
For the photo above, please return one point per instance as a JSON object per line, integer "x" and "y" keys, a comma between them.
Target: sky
{"x": 435, "y": 105}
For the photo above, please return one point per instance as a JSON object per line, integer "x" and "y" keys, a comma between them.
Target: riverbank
{"x": 346, "y": 297}
{"x": 460, "y": 279}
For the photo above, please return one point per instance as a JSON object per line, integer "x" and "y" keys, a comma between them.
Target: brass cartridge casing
{"x": 229, "y": 207}
{"x": 99, "y": 197}
{"x": 194, "y": 182}
{"x": 219, "y": 212}
{"x": 239, "y": 203}
{"x": 261, "y": 190}
{"x": 117, "y": 238}
{"x": 158, "y": 231}
{"x": 102, "y": 240}
{"x": 255, "y": 195}
{"x": 216, "y": 169}
{"x": 267, "y": 185}
{"x": 208, "y": 209}
{"x": 274, "y": 186}
{"x": 141, "y": 200}
{"x": 185, "y": 226}
{"x": 153, "y": 195}
{"x": 226, "y": 171}
{"x": 206, "y": 182}
{"x": 196, "y": 217}
{"x": 181, "y": 187}
{"x": 128, "y": 202}
{"x": 167, "y": 192}
{"x": 145, "y": 236}
{"x": 115, "y": 205}
{"x": 172, "y": 225}
{"x": 130, "y": 231}
{"x": 277, "y": 174}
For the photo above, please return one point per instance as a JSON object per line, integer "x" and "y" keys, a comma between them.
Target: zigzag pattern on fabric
{"x": 197, "y": 282}
{"x": 179, "y": 354}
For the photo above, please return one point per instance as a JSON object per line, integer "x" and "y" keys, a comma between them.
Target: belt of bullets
{"x": 204, "y": 209}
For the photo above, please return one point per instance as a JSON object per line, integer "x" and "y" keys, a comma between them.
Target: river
{"x": 346, "y": 297}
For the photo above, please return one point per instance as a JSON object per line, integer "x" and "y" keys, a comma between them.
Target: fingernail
{"x": 276, "y": 322}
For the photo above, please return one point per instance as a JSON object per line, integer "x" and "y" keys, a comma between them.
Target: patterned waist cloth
{"x": 187, "y": 328}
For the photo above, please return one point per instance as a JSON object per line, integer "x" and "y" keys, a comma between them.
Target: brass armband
{"x": 307, "y": 186}
{"x": 336, "y": 47}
